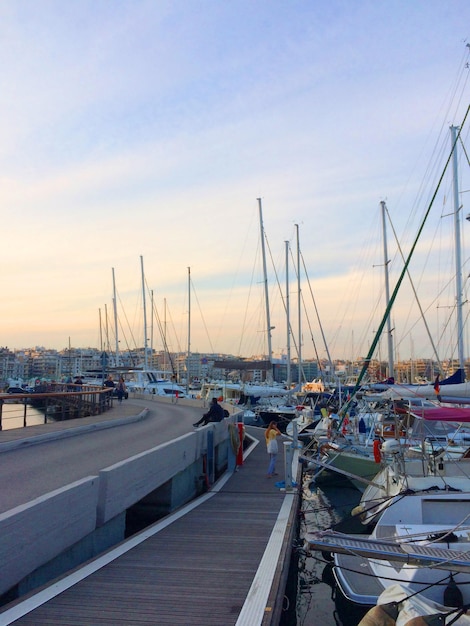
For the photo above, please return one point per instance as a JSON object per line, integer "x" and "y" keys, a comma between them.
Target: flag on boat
{"x": 436, "y": 385}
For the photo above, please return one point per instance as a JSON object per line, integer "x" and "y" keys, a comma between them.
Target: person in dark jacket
{"x": 214, "y": 414}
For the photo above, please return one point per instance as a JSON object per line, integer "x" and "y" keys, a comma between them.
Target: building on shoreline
{"x": 40, "y": 363}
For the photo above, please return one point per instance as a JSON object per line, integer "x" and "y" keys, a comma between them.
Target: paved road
{"x": 32, "y": 471}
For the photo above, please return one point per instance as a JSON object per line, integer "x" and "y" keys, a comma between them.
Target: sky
{"x": 137, "y": 136}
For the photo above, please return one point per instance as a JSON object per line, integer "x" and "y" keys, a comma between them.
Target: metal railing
{"x": 53, "y": 402}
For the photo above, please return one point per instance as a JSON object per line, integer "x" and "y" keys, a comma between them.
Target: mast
{"x": 164, "y": 335}
{"x": 299, "y": 309}
{"x": 145, "y": 313}
{"x": 151, "y": 322}
{"x": 387, "y": 294}
{"x": 269, "y": 328}
{"x": 101, "y": 331}
{"x": 397, "y": 286}
{"x": 106, "y": 326}
{"x": 115, "y": 320}
{"x": 289, "y": 377}
{"x": 189, "y": 329}
{"x": 458, "y": 260}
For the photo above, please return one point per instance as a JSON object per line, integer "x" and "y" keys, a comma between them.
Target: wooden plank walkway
{"x": 221, "y": 560}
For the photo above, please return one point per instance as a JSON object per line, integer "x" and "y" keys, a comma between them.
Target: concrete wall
{"x": 32, "y": 534}
{"x": 125, "y": 483}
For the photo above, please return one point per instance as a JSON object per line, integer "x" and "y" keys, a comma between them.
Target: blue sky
{"x": 135, "y": 128}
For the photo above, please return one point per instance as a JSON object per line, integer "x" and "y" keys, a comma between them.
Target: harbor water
{"x": 325, "y": 504}
{"x": 15, "y": 413}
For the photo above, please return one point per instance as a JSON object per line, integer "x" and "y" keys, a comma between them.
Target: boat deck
{"x": 220, "y": 560}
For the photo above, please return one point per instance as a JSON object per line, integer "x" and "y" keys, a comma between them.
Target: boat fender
{"x": 452, "y": 594}
{"x": 390, "y": 446}
{"x": 357, "y": 510}
{"x": 377, "y": 452}
{"x": 381, "y": 615}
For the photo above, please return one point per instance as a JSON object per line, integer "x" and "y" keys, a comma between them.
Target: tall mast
{"x": 164, "y": 335}
{"x": 299, "y": 307}
{"x": 106, "y": 326}
{"x": 189, "y": 329}
{"x": 101, "y": 331}
{"x": 115, "y": 320}
{"x": 145, "y": 312}
{"x": 289, "y": 377}
{"x": 387, "y": 294}
{"x": 269, "y": 328}
{"x": 458, "y": 260}
{"x": 151, "y": 322}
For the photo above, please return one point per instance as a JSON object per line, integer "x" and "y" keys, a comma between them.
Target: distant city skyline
{"x": 150, "y": 129}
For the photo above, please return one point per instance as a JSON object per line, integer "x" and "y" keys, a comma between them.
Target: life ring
{"x": 377, "y": 452}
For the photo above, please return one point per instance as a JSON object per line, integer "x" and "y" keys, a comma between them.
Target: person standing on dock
{"x": 121, "y": 389}
{"x": 271, "y": 434}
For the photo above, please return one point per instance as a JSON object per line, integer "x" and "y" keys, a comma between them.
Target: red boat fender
{"x": 377, "y": 452}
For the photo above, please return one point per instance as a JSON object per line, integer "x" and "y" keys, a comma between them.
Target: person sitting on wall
{"x": 214, "y": 414}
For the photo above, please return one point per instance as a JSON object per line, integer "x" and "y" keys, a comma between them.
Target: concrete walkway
{"x": 124, "y": 413}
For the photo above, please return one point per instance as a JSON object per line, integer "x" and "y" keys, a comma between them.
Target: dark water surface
{"x": 325, "y": 504}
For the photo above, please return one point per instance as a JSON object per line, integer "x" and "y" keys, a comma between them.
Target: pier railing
{"x": 53, "y": 402}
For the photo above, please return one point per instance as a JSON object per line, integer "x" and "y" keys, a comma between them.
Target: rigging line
{"x": 247, "y": 300}
{"x": 436, "y": 299}
{"x": 300, "y": 296}
{"x": 311, "y": 333}
{"x": 378, "y": 334}
{"x": 202, "y": 316}
{"x": 163, "y": 337}
{"x": 414, "y": 291}
{"x": 160, "y": 328}
{"x": 416, "y": 582}
{"x": 128, "y": 324}
{"x": 283, "y": 300}
{"x": 282, "y": 295}
{"x": 316, "y": 310}
{"x": 464, "y": 150}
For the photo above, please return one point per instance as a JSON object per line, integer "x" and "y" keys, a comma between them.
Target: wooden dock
{"x": 220, "y": 560}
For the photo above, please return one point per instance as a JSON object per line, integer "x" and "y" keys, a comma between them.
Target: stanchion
{"x": 240, "y": 446}
{"x": 288, "y": 457}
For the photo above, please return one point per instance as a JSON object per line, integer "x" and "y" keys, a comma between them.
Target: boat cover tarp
{"x": 444, "y": 414}
{"x": 455, "y": 379}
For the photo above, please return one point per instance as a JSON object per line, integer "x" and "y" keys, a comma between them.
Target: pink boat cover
{"x": 443, "y": 414}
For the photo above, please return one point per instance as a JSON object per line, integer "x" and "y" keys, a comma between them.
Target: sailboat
{"x": 453, "y": 389}
{"x": 346, "y": 449}
{"x": 144, "y": 379}
{"x": 440, "y": 460}
{"x": 420, "y": 542}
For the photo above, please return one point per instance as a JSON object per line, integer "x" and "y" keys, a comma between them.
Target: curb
{"x": 71, "y": 432}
